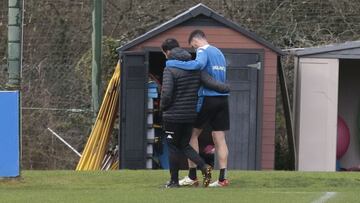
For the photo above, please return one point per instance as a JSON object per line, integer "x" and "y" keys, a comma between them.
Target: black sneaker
{"x": 172, "y": 184}
{"x": 206, "y": 172}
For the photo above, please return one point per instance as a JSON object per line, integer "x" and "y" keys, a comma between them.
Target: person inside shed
{"x": 213, "y": 106}
{"x": 178, "y": 106}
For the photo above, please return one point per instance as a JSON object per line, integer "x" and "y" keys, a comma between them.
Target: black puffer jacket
{"x": 179, "y": 92}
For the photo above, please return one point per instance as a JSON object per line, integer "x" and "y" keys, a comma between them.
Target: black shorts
{"x": 215, "y": 111}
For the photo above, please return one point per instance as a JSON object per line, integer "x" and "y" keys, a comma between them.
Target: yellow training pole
{"x": 95, "y": 148}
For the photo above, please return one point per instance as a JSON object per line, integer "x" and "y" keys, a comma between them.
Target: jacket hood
{"x": 180, "y": 54}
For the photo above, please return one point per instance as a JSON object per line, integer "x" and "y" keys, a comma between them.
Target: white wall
{"x": 316, "y": 114}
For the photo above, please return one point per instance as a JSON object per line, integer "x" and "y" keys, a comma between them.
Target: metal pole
{"x": 63, "y": 141}
{"x": 96, "y": 53}
{"x": 14, "y": 44}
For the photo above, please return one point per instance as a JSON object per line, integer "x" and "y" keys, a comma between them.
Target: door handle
{"x": 255, "y": 65}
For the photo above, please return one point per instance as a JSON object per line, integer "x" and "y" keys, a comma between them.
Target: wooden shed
{"x": 326, "y": 90}
{"x": 251, "y": 71}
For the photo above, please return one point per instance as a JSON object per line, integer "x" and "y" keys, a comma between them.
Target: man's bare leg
{"x": 221, "y": 151}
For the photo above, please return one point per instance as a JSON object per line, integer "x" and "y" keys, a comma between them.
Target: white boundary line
{"x": 290, "y": 192}
{"x": 325, "y": 197}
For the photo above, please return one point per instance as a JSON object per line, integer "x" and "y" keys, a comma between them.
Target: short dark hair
{"x": 196, "y": 34}
{"x": 169, "y": 44}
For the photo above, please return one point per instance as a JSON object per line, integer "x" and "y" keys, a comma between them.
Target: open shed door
{"x": 242, "y": 138}
{"x": 316, "y": 113}
{"x": 133, "y": 106}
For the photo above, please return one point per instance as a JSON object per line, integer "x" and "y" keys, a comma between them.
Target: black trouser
{"x": 178, "y": 137}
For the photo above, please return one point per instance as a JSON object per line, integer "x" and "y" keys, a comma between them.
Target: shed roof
{"x": 199, "y": 9}
{"x": 343, "y": 50}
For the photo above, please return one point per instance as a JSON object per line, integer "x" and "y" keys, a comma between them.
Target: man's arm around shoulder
{"x": 198, "y": 64}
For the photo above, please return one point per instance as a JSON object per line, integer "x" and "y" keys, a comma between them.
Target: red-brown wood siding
{"x": 269, "y": 104}
{"x": 223, "y": 37}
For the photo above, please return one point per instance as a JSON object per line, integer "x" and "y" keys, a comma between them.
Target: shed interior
{"x": 349, "y": 109}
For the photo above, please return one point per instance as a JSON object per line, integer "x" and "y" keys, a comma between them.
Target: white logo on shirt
{"x": 221, "y": 68}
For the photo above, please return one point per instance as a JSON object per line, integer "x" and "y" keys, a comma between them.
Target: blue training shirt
{"x": 209, "y": 58}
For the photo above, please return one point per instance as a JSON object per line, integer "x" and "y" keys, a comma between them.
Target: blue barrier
{"x": 9, "y": 134}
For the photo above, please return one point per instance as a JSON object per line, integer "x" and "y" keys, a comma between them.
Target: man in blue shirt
{"x": 213, "y": 107}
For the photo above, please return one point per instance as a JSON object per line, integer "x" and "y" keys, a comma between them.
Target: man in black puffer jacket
{"x": 179, "y": 97}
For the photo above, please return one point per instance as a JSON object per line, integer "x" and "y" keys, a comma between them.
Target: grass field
{"x": 146, "y": 186}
